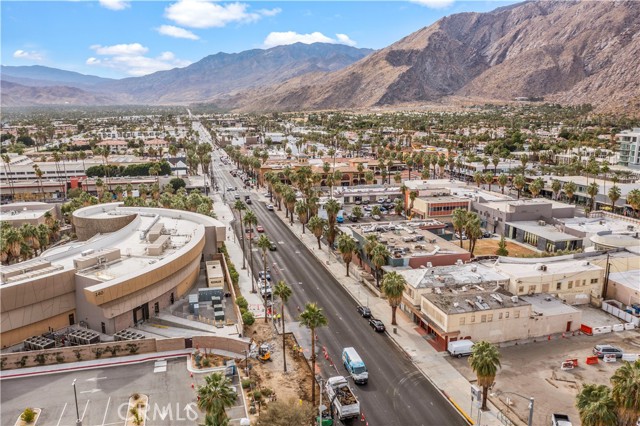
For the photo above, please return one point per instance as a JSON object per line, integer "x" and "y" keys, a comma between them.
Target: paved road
{"x": 397, "y": 393}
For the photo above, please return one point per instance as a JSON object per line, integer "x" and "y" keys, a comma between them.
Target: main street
{"x": 397, "y": 392}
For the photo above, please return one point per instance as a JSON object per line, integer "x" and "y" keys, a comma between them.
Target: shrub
{"x": 135, "y": 396}
{"x": 28, "y": 415}
{"x": 59, "y": 358}
{"x": 257, "y": 395}
{"x": 132, "y": 348}
{"x": 206, "y": 362}
{"x": 267, "y": 392}
{"x": 40, "y": 358}
{"x": 246, "y": 383}
{"x": 78, "y": 353}
{"x": 248, "y": 318}
{"x": 242, "y": 302}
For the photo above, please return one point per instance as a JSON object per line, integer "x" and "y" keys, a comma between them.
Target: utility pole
{"x": 605, "y": 285}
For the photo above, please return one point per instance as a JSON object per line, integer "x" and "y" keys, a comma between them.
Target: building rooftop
{"x": 599, "y": 224}
{"x": 444, "y": 199}
{"x": 506, "y": 204}
{"x": 630, "y": 279}
{"x": 520, "y": 268}
{"x": 548, "y": 232}
{"x": 452, "y": 276}
{"x": 545, "y": 304}
{"x": 460, "y": 302}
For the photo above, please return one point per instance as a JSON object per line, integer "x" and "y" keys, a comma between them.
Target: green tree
{"x": 569, "y": 189}
{"x": 626, "y": 392}
{"x": 485, "y": 361}
{"x": 536, "y": 187}
{"x": 633, "y": 199}
{"x": 592, "y": 191}
{"x": 596, "y": 406}
{"x": 458, "y": 220}
{"x": 316, "y": 225}
{"x": 519, "y": 182}
{"x": 379, "y": 258}
{"x": 312, "y": 317}
{"x": 347, "y": 246}
{"x": 283, "y": 292}
{"x": 556, "y": 187}
{"x": 215, "y": 396}
{"x": 502, "y": 247}
{"x": 614, "y": 195}
{"x": 302, "y": 210}
{"x": 332, "y": 207}
{"x": 393, "y": 286}
{"x": 412, "y": 197}
{"x": 503, "y": 180}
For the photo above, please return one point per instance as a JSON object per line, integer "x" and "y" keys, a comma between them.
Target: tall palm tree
{"x": 502, "y": 181}
{"x": 370, "y": 242}
{"x": 485, "y": 361}
{"x": 240, "y": 207}
{"x": 569, "y": 188}
{"x": 536, "y": 187}
{"x": 556, "y": 187}
{"x": 412, "y": 197}
{"x": 302, "y": 210}
{"x": 264, "y": 244}
{"x": 626, "y": 392}
{"x": 519, "y": 182}
{"x": 592, "y": 191}
{"x": 250, "y": 220}
{"x": 316, "y": 225}
{"x": 596, "y": 406}
{"x": 7, "y": 161}
{"x": 472, "y": 228}
{"x": 347, "y": 246}
{"x": 332, "y": 207}
{"x": 458, "y": 220}
{"x": 215, "y": 396}
{"x": 488, "y": 179}
{"x": 393, "y": 286}
{"x": 614, "y": 195}
{"x": 283, "y": 292}
{"x": 633, "y": 199}
{"x": 39, "y": 174}
{"x": 312, "y": 317}
{"x": 379, "y": 258}
{"x": 290, "y": 202}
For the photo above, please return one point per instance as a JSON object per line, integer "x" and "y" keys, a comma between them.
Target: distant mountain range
{"x": 566, "y": 51}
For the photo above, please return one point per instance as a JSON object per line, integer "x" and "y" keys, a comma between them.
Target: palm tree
{"x": 556, "y": 186}
{"x": 488, "y": 179}
{"x": 502, "y": 181}
{"x": 290, "y": 202}
{"x": 302, "y": 210}
{"x": 633, "y": 199}
{"x": 478, "y": 178}
{"x": 379, "y": 257}
{"x": 312, "y": 317}
{"x": 393, "y": 286}
{"x": 7, "y": 161}
{"x": 592, "y": 190}
{"x": 412, "y": 197}
{"x": 614, "y": 195}
{"x": 458, "y": 220}
{"x": 485, "y": 361}
{"x": 332, "y": 207}
{"x": 569, "y": 188}
{"x": 215, "y": 396}
{"x": 264, "y": 244}
{"x": 250, "y": 220}
{"x": 626, "y": 391}
{"x": 283, "y": 291}
{"x": 472, "y": 229}
{"x": 240, "y": 207}
{"x": 39, "y": 174}
{"x": 316, "y": 225}
{"x": 596, "y": 406}
{"x": 347, "y": 246}
{"x": 536, "y": 187}
{"x": 519, "y": 182}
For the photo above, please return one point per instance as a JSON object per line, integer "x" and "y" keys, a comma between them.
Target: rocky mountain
{"x": 216, "y": 75}
{"x": 572, "y": 52}
{"x": 14, "y": 94}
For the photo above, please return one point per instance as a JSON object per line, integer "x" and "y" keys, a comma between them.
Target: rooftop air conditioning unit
{"x": 474, "y": 268}
{"x": 429, "y": 265}
{"x": 542, "y": 223}
{"x": 514, "y": 299}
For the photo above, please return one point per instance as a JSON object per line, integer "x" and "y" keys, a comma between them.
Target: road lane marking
{"x": 85, "y": 409}
{"x": 91, "y": 391}
{"x": 95, "y": 379}
{"x": 106, "y": 410}
{"x": 62, "y": 414}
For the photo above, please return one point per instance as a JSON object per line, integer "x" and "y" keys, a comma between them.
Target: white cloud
{"x": 131, "y": 59}
{"x": 434, "y": 4}
{"x": 291, "y": 37}
{"x": 177, "y": 32}
{"x": 115, "y": 4}
{"x": 120, "y": 49}
{"x": 31, "y": 56}
{"x": 208, "y": 14}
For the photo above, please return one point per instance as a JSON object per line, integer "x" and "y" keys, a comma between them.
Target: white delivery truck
{"x": 341, "y": 398}
{"x": 460, "y": 348}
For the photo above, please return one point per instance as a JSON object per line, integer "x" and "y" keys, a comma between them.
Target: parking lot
{"x": 533, "y": 370}
{"x": 103, "y": 395}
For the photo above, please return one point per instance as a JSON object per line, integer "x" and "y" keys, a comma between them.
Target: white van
{"x": 355, "y": 366}
{"x": 460, "y": 348}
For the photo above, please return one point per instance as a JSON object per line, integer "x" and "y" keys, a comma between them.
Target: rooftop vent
{"x": 542, "y": 223}
{"x": 514, "y": 299}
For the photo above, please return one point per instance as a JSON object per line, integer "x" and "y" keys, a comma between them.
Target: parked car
{"x": 376, "y": 217}
{"x": 364, "y": 311}
{"x": 272, "y": 246}
{"x": 601, "y": 350}
{"x": 249, "y": 202}
{"x": 353, "y": 218}
{"x": 261, "y": 276}
{"x": 270, "y": 207}
{"x": 237, "y": 197}
{"x": 487, "y": 234}
{"x": 376, "y": 324}
{"x": 367, "y": 208}
{"x": 260, "y": 228}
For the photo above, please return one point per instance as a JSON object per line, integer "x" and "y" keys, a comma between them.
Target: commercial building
{"x": 35, "y": 214}
{"x": 542, "y": 236}
{"x": 128, "y": 263}
{"x": 438, "y": 206}
{"x": 629, "y": 148}
{"x": 625, "y": 288}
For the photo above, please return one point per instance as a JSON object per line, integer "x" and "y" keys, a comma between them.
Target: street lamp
{"x": 75, "y": 395}
{"x": 531, "y": 401}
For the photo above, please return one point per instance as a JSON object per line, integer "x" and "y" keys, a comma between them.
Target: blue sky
{"x": 117, "y": 38}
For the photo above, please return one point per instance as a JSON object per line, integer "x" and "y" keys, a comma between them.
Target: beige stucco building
{"x": 129, "y": 263}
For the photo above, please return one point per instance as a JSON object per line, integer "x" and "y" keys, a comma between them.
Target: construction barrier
{"x": 629, "y": 326}
{"x": 602, "y": 330}
{"x": 618, "y": 327}
{"x": 630, "y": 357}
{"x": 592, "y": 360}
{"x": 585, "y": 329}
{"x": 609, "y": 358}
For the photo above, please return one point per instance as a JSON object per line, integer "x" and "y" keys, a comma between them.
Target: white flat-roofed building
{"x": 625, "y": 288}
{"x": 576, "y": 281}
{"x": 629, "y": 147}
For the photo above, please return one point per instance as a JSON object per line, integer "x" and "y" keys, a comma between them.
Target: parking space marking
{"x": 85, "y": 409}
{"x": 62, "y": 414}
{"x": 106, "y": 410}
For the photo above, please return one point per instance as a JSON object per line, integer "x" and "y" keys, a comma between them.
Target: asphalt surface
{"x": 397, "y": 393}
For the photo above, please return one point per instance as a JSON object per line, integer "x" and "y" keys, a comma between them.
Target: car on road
{"x": 272, "y": 246}
{"x": 261, "y": 275}
{"x": 601, "y": 350}
{"x": 376, "y": 324}
{"x": 364, "y": 311}
{"x": 376, "y": 217}
{"x": 260, "y": 228}
{"x": 367, "y": 208}
{"x": 237, "y": 197}
{"x": 270, "y": 207}
{"x": 249, "y": 202}
{"x": 231, "y": 188}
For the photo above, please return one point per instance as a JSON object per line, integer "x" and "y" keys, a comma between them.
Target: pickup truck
{"x": 345, "y": 404}
{"x": 560, "y": 420}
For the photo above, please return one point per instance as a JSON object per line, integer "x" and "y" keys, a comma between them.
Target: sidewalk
{"x": 431, "y": 363}
{"x": 234, "y": 248}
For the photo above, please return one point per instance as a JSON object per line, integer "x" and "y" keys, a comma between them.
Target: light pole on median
{"x": 75, "y": 395}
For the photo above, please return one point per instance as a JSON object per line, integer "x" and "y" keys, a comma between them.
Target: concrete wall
{"x": 221, "y": 343}
{"x": 552, "y": 324}
{"x": 87, "y": 227}
{"x": 580, "y": 283}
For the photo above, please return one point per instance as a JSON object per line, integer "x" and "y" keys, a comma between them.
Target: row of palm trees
{"x": 28, "y": 240}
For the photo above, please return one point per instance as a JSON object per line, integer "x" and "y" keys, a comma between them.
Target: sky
{"x": 118, "y": 38}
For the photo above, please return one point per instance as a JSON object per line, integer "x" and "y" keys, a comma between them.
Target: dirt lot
{"x": 534, "y": 370}
{"x": 489, "y": 246}
{"x": 295, "y": 383}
